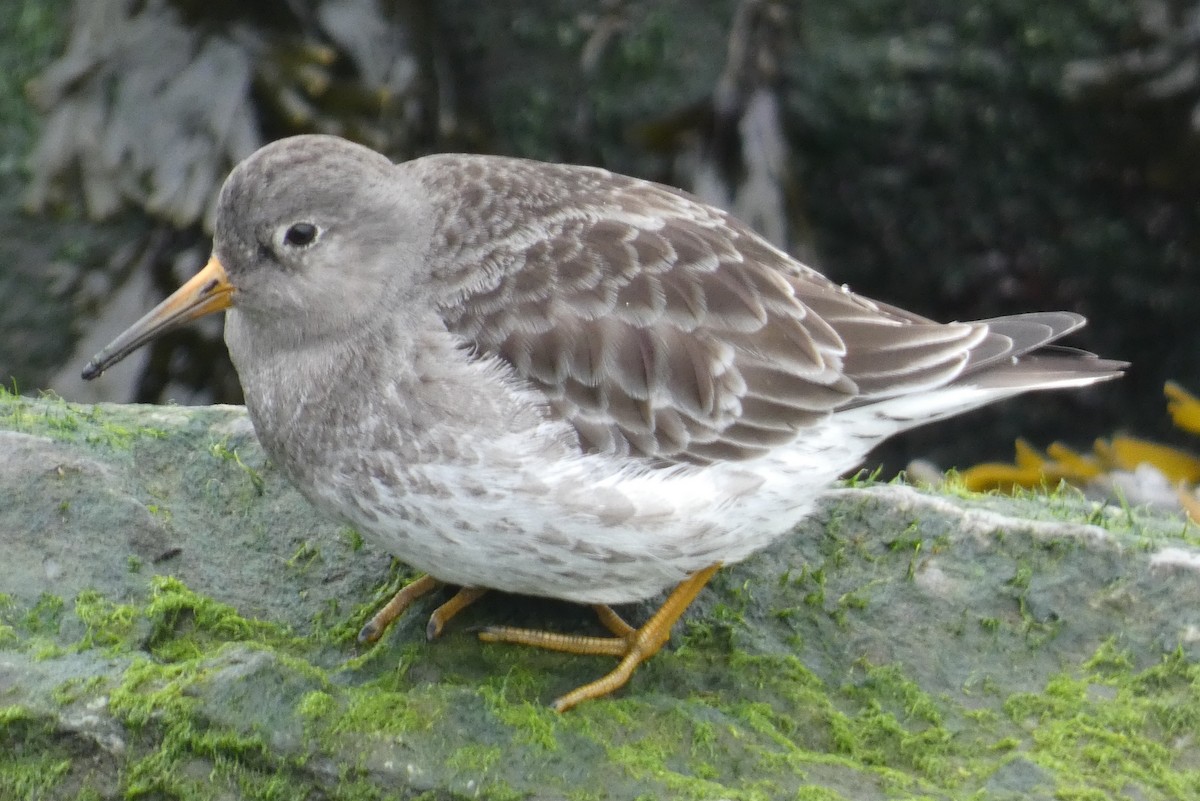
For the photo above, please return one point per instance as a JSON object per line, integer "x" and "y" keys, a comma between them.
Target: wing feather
{"x": 660, "y": 326}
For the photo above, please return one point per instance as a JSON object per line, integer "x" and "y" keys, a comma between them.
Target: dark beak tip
{"x": 91, "y": 371}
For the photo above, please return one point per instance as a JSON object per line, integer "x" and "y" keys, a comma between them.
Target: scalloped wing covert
{"x": 658, "y": 325}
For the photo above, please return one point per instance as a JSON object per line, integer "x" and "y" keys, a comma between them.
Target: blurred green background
{"x": 961, "y": 159}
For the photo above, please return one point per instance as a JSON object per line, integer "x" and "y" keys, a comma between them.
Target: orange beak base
{"x": 207, "y": 292}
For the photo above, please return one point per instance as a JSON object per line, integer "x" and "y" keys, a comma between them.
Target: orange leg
{"x": 405, "y": 597}
{"x": 633, "y": 646}
{"x": 395, "y": 607}
{"x": 441, "y": 616}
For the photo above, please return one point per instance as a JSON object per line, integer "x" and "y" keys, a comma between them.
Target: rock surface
{"x": 176, "y": 622}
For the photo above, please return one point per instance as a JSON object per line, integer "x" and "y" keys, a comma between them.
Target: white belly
{"x": 582, "y": 528}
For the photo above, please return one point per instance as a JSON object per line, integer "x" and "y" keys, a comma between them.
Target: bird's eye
{"x": 300, "y": 234}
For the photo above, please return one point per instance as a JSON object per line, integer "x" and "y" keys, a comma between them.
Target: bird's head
{"x": 315, "y": 237}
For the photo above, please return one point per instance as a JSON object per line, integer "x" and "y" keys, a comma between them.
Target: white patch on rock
{"x": 931, "y": 578}
{"x": 1174, "y": 558}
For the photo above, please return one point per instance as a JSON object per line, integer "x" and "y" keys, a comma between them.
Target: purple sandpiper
{"x": 559, "y": 381}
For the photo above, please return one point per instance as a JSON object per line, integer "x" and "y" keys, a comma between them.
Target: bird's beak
{"x": 208, "y": 291}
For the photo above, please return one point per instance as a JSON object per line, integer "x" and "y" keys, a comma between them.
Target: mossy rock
{"x": 177, "y": 622}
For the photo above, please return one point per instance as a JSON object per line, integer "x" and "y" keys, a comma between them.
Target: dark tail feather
{"x": 1016, "y": 354}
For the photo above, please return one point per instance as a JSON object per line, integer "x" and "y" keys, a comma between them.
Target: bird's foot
{"x": 406, "y": 596}
{"x": 442, "y": 615}
{"x": 632, "y": 646}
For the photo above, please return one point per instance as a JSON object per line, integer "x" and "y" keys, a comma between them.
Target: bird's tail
{"x": 1015, "y": 355}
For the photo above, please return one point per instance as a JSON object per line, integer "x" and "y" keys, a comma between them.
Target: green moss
{"x": 108, "y": 624}
{"x": 352, "y": 538}
{"x": 370, "y": 710}
{"x": 159, "y": 698}
{"x": 258, "y": 787}
{"x": 315, "y": 705}
{"x": 31, "y": 778}
{"x": 45, "y": 616}
{"x": 1109, "y": 728}
{"x": 662, "y": 746}
{"x": 162, "y": 513}
{"x": 818, "y": 794}
{"x": 731, "y": 613}
{"x": 515, "y": 699}
{"x": 306, "y": 556}
{"x": 32, "y": 758}
{"x": 74, "y": 689}
{"x": 477, "y": 764}
{"x": 475, "y": 757}
{"x": 149, "y": 688}
{"x": 52, "y": 417}
{"x": 13, "y": 713}
{"x": 726, "y": 713}
{"x": 1092, "y": 731}
{"x": 184, "y": 624}
{"x": 9, "y": 615}
{"x": 222, "y": 451}
{"x": 162, "y": 703}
